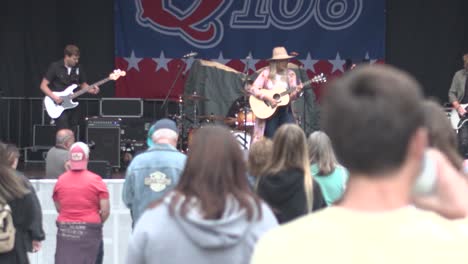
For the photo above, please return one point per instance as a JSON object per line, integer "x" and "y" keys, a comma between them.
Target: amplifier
{"x": 35, "y": 154}
{"x": 135, "y": 128}
{"x": 103, "y": 122}
{"x": 104, "y": 142}
{"x": 101, "y": 168}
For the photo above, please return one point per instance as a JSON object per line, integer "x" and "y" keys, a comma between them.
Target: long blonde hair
{"x": 274, "y": 70}
{"x": 290, "y": 152}
{"x": 11, "y": 186}
{"x": 321, "y": 152}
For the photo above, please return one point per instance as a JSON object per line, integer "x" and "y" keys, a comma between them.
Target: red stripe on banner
{"x": 151, "y": 80}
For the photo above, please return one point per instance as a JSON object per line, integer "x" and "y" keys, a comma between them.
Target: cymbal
{"x": 211, "y": 117}
{"x": 195, "y": 97}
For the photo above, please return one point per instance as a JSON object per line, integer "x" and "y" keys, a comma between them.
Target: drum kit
{"x": 241, "y": 125}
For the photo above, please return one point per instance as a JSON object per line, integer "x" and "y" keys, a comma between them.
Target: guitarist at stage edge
{"x": 458, "y": 97}
{"x": 276, "y": 74}
{"x": 59, "y": 76}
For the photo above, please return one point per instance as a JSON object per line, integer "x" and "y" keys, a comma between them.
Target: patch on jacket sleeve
{"x": 158, "y": 181}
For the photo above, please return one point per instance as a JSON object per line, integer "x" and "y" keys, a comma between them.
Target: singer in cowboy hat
{"x": 275, "y": 75}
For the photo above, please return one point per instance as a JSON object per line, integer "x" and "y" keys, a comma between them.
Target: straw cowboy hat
{"x": 280, "y": 53}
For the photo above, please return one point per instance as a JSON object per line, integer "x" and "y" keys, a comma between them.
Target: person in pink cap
{"x": 82, "y": 202}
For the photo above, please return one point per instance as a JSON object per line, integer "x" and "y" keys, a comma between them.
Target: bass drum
{"x": 191, "y": 132}
{"x": 243, "y": 142}
{"x": 245, "y": 120}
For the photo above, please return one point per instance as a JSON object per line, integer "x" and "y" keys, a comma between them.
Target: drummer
{"x": 236, "y": 107}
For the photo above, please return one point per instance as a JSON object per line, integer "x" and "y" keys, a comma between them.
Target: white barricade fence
{"x": 116, "y": 232}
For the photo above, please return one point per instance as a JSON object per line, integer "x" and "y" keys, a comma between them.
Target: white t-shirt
{"x": 337, "y": 235}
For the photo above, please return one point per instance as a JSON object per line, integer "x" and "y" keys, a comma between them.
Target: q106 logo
{"x": 201, "y": 22}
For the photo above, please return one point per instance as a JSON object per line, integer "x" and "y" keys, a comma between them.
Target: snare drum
{"x": 243, "y": 120}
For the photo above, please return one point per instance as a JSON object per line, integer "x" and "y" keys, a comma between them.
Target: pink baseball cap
{"x": 78, "y": 156}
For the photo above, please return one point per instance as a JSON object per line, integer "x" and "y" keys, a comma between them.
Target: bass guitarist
{"x": 275, "y": 75}
{"x": 59, "y": 76}
{"x": 458, "y": 97}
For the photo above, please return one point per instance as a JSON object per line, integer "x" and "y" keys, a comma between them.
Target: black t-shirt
{"x": 59, "y": 79}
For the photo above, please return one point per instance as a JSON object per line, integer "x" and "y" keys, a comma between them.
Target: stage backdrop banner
{"x": 152, "y": 36}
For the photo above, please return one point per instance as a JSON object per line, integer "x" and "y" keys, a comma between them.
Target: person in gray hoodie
{"x": 212, "y": 216}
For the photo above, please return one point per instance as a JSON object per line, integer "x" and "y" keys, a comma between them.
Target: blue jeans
{"x": 283, "y": 115}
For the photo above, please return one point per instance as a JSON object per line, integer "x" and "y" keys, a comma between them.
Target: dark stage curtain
{"x": 427, "y": 38}
{"x": 32, "y": 35}
{"x": 424, "y": 37}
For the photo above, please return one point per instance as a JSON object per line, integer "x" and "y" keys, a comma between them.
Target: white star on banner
{"x": 133, "y": 61}
{"x": 161, "y": 62}
{"x": 221, "y": 59}
{"x": 371, "y": 61}
{"x": 251, "y": 62}
{"x": 309, "y": 63}
{"x": 337, "y": 63}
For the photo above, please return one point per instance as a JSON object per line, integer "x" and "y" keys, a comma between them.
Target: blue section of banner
{"x": 323, "y": 28}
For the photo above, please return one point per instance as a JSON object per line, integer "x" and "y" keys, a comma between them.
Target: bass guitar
{"x": 455, "y": 118}
{"x": 55, "y": 110}
{"x": 263, "y": 109}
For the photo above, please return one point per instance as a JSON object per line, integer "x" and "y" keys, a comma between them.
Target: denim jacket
{"x": 150, "y": 176}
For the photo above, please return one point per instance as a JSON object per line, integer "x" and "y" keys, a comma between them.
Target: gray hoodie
{"x": 159, "y": 237}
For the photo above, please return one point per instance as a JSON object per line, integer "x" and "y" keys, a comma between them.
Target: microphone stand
{"x": 179, "y": 71}
{"x": 304, "y": 93}
{"x": 244, "y": 83}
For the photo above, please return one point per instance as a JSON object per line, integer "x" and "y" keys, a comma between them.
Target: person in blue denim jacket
{"x": 154, "y": 172}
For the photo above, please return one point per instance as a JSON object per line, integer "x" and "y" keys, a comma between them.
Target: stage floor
{"x": 36, "y": 170}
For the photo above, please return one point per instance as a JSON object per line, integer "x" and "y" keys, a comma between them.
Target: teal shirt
{"x": 332, "y": 185}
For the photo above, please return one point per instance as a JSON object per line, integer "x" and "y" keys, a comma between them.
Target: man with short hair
{"x": 374, "y": 118}
{"x": 458, "y": 97}
{"x": 58, "y": 155}
{"x": 155, "y": 172}
{"x": 60, "y": 75}
{"x": 82, "y": 202}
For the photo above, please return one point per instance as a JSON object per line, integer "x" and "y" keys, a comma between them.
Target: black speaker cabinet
{"x": 104, "y": 144}
{"x": 101, "y": 168}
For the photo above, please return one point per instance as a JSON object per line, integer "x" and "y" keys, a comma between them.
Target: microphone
{"x": 294, "y": 54}
{"x": 189, "y": 55}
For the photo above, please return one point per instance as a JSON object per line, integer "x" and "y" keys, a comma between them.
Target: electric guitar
{"x": 55, "y": 110}
{"x": 263, "y": 109}
{"x": 455, "y": 118}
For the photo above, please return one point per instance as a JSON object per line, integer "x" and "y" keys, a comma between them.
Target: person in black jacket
{"x": 19, "y": 198}
{"x": 35, "y": 234}
{"x": 287, "y": 184}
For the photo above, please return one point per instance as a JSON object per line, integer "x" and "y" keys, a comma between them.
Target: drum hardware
{"x": 195, "y": 97}
{"x": 243, "y": 121}
{"x": 243, "y": 139}
{"x": 187, "y": 130}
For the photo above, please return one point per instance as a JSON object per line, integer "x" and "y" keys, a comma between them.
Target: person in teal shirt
{"x": 324, "y": 167}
